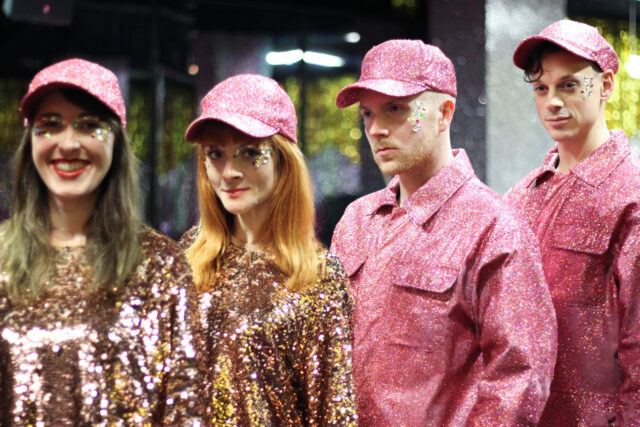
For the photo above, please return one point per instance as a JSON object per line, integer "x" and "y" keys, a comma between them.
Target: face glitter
{"x": 588, "y": 87}
{"x": 86, "y": 125}
{"x": 416, "y": 115}
{"x": 255, "y": 155}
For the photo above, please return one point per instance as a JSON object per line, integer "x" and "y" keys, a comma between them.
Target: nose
{"x": 554, "y": 101}
{"x": 378, "y": 127}
{"x": 69, "y": 139}
{"x": 230, "y": 170}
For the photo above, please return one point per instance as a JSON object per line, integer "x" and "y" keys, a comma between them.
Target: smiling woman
{"x": 94, "y": 327}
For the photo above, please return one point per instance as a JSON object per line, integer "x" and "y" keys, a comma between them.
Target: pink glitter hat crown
{"x": 402, "y": 68}
{"x": 253, "y": 104}
{"x": 577, "y": 38}
{"x": 79, "y": 74}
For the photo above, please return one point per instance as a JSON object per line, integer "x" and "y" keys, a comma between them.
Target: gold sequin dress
{"x": 79, "y": 358}
{"x": 275, "y": 357}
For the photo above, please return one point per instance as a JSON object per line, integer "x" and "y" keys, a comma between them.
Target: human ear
{"x": 607, "y": 85}
{"x": 447, "y": 107}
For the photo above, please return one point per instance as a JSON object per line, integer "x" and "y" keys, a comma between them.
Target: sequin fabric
{"x": 92, "y": 359}
{"x": 87, "y": 76}
{"x": 453, "y": 320}
{"x": 274, "y": 357}
{"x": 591, "y": 257}
{"x": 576, "y": 37}
{"x": 402, "y": 68}
{"x": 253, "y": 104}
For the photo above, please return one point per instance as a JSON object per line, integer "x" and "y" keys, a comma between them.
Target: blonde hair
{"x": 113, "y": 249}
{"x": 288, "y": 230}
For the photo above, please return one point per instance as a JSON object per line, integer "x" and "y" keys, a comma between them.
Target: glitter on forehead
{"x": 253, "y": 104}
{"x": 87, "y": 76}
{"x": 401, "y": 68}
{"x": 576, "y": 37}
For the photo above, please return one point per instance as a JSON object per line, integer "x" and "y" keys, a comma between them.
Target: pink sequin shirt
{"x": 453, "y": 322}
{"x": 588, "y": 226}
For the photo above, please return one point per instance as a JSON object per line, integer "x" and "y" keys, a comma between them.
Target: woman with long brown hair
{"x": 273, "y": 304}
{"x": 94, "y": 326}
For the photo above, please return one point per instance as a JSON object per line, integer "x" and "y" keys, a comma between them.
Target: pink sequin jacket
{"x": 453, "y": 322}
{"x": 591, "y": 259}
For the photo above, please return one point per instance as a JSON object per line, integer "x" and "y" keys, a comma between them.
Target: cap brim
{"x": 352, "y": 93}
{"x": 525, "y": 47}
{"x": 243, "y": 123}
{"x": 31, "y": 100}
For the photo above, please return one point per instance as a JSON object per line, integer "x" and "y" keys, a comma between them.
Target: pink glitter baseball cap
{"x": 402, "y": 68}
{"x": 575, "y": 37}
{"x": 253, "y": 104}
{"x": 79, "y": 74}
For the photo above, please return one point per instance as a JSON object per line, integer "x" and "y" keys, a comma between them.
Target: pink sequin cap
{"x": 253, "y": 104}
{"x": 402, "y": 68}
{"x": 580, "y": 39}
{"x": 80, "y": 74}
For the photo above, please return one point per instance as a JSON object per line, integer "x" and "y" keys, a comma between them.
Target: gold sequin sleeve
{"x": 325, "y": 347}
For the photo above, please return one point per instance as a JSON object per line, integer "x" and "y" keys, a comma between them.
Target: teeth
{"x": 70, "y": 166}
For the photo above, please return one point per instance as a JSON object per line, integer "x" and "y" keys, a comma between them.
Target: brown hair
{"x": 113, "y": 249}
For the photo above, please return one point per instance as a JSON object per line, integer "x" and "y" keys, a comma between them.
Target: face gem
{"x": 416, "y": 115}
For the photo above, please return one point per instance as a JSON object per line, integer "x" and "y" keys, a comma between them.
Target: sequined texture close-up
{"x": 275, "y": 357}
{"x": 73, "y": 358}
{"x": 588, "y": 225}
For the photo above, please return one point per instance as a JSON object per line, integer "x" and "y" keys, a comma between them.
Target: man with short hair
{"x": 453, "y": 323}
{"x": 583, "y": 205}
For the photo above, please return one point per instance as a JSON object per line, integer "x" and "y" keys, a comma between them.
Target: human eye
{"x": 539, "y": 88}
{"x": 92, "y": 126}
{"x": 570, "y": 85}
{"x": 395, "y": 108}
{"x": 213, "y": 153}
{"x": 249, "y": 152}
{"x": 48, "y": 123}
{"x": 365, "y": 113}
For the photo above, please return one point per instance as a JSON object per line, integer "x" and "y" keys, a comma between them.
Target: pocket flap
{"x": 580, "y": 239}
{"x": 427, "y": 277}
{"x": 352, "y": 263}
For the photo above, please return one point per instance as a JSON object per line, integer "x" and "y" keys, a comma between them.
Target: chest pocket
{"x": 420, "y": 302}
{"x": 578, "y": 269}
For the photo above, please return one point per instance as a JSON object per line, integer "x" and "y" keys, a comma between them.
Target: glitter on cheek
{"x": 416, "y": 115}
{"x": 265, "y": 155}
{"x": 588, "y": 87}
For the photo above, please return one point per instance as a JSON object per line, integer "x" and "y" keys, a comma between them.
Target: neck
{"x": 69, "y": 220}
{"x": 411, "y": 180}
{"x": 248, "y": 230}
{"x": 574, "y": 151}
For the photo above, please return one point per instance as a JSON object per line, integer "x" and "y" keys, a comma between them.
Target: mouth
{"x": 235, "y": 192}
{"x": 70, "y": 168}
{"x": 383, "y": 151}
{"x": 557, "y": 121}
